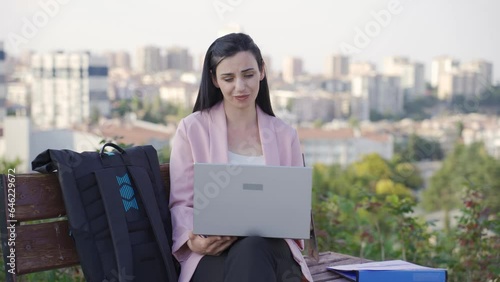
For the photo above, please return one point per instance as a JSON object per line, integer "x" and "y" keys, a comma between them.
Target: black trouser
{"x": 250, "y": 259}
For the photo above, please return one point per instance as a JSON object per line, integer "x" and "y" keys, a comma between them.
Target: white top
{"x": 247, "y": 160}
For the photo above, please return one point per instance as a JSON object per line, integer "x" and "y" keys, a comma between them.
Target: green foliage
{"x": 164, "y": 155}
{"x": 364, "y": 210}
{"x": 377, "y": 116}
{"x": 419, "y": 149}
{"x": 420, "y": 109}
{"x": 466, "y": 166}
{"x": 478, "y": 238}
{"x": 487, "y": 101}
{"x": 5, "y": 165}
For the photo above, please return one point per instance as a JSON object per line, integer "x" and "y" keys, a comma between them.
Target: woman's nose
{"x": 240, "y": 84}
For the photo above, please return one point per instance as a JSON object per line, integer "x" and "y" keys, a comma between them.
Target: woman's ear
{"x": 214, "y": 79}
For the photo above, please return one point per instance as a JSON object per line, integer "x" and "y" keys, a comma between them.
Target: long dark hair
{"x": 223, "y": 47}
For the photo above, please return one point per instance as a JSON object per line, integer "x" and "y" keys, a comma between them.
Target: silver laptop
{"x": 252, "y": 200}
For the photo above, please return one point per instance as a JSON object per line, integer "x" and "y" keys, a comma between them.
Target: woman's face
{"x": 238, "y": 78}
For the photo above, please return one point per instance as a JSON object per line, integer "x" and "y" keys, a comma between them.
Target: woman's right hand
{"x": 211, "y": 245}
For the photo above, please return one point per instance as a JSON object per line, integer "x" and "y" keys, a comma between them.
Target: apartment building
{"x": 342, "y": 146}
{"x": 67, "y": 88}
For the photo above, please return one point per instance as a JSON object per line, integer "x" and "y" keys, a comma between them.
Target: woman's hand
{"x": 211, "y": 245}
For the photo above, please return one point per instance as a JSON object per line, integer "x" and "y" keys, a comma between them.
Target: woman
{"x": 232, "y": 122}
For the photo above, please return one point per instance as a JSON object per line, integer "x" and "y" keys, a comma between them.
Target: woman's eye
{"x": 228, "y": 79}
{"x": 249, "y": 75}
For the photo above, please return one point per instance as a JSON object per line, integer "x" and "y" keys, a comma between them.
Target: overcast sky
{"x": 419, "y": 29}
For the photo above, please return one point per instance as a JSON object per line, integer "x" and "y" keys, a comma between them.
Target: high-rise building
{"x": 361, "y": 68}
{"x": 413, "y": 81}
{"x": 440, "y": 66}
{"x": 337, "y": 66}
{"x": 118, "y": 59}
{"x": 470, "y": 79}
{"x": 394, "y": 65}
{"x": 177, "y": 58}
{"x": 375, "y": 92}
{"x": 411, "y": 74}
{"x": 484, "y": 71}
{"x": 389, "y": 97}
{"x": 68, "y": 89}
{"x": 3, "y": 83}
{"x": 148, "y": 59}
{"x": 292, "y": 67}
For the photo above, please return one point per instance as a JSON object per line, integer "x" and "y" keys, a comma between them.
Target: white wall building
{"x": 411, "y": 73}
{"x": 361, "y": 68}
{"x": 18, "y": 97}
{"x": 470, "y": 80}
{"x": 119, "y": 59}
{"x": 67, "y": 88}
{"x": 484, "y": 71}
{"x": 375, "y": 92}
{"x": 3, "y": 83}
{"x": 292, "y": 68}
{"x": 336, "y": 66}
{"x": 440, "y": 66}
{"x": 413, "y": 81}
{"x": 394, "y": 65}
{"x": 179, "y": 93}
{"x": 342, "y": 146}
{"x": 148, "y": 59}
{"x": 22, "y": 141}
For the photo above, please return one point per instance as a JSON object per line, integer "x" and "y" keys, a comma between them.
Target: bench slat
{"x": 44, "y": 246}
{"x": 38, "y": 196}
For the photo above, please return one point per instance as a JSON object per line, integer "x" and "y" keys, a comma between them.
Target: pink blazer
{"x": 202, "y": 137}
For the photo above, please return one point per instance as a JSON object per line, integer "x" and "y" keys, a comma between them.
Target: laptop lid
{"x": 252, "y": 200}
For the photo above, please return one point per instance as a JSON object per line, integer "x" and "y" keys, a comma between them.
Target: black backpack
{"x": 117, "y": 209}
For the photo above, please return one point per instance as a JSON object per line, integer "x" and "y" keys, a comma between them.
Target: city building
{"x": 148, "y": 59}
{"x": 484, "y": 71}
{"x": 376, "y": 92}
{"x": 411, "y": 74}
{"x": 68, "y": 89}
{"x": 361, "y": 68}
{"x": 118, "y": 59}
{"x": 18, "y": 97}
{"x": 440, "y": 66}
{"x": 469, "y": 80}
{"x": 24, "y": 142}
{"x": 292, "y": 68}
{"x": 336, "y": 66}
{"x": 3, "y": 83}
{"x": 179, "y": 93}
{"x": 413, "y": 81}
{"x": 394, "y": 65}
{"x": 177, "y": 58}
{"x": 342, "y": 146}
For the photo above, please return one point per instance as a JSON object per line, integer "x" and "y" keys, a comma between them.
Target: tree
{"x": 418, "y": 149}
{"x": 466, "y": 166}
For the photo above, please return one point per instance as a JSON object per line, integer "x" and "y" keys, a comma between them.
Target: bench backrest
{"x": 32, "y": 208}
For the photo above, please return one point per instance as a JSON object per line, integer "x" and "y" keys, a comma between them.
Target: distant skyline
{"x": 418, "y": 29}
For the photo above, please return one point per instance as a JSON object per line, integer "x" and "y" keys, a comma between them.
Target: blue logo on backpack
{"x": 127, "y": 192}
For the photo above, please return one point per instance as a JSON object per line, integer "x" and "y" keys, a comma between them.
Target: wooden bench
{"x": 40, "y": 229}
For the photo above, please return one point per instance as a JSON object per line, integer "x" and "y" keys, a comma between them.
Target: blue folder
{"x": 395, "y": 270}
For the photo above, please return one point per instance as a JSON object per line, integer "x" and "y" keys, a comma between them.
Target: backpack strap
{"x": 118, "y": 227}
{"x": 141, "y": 179}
